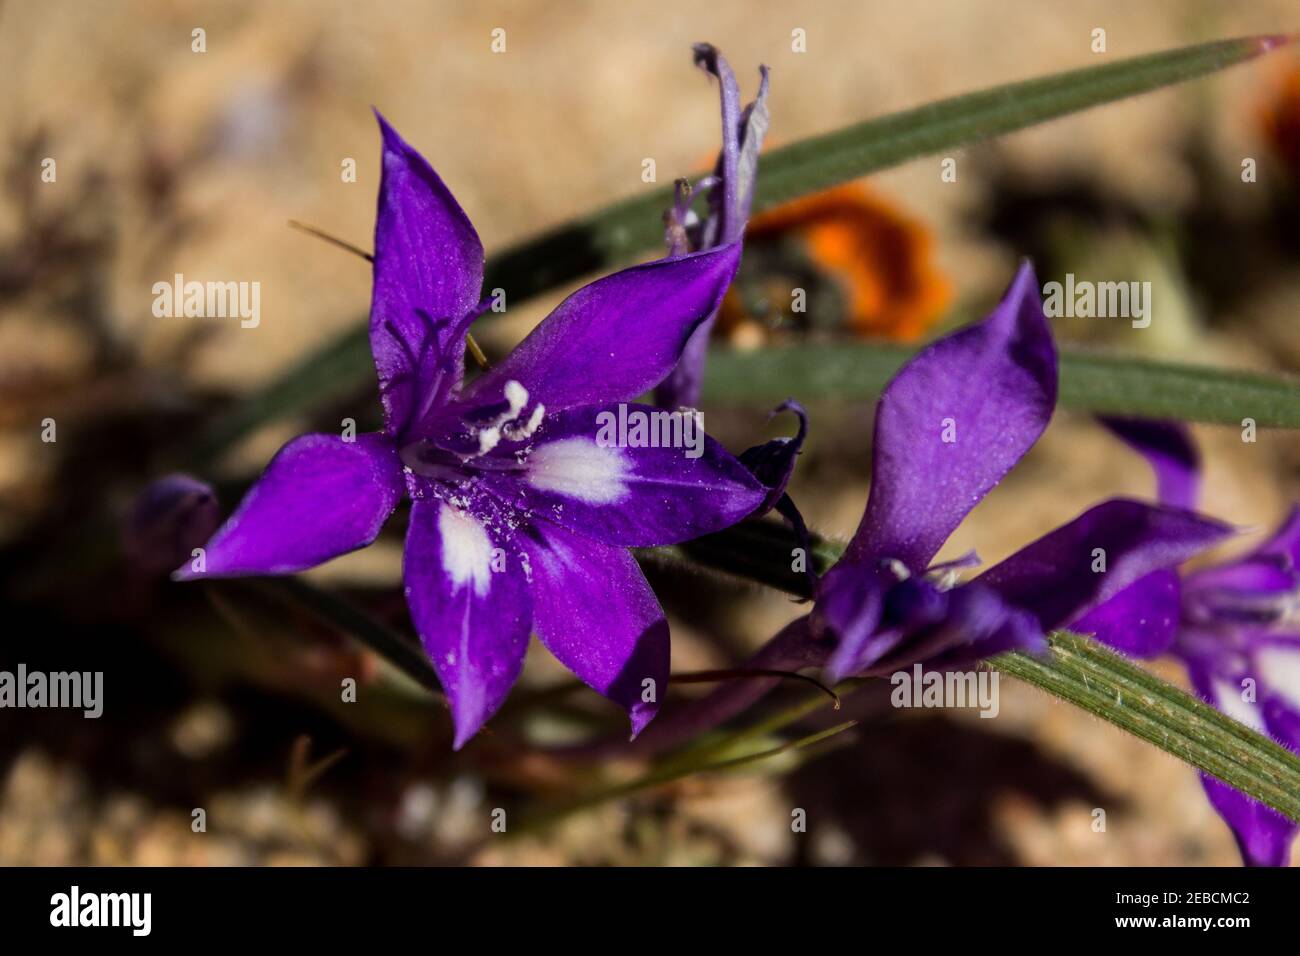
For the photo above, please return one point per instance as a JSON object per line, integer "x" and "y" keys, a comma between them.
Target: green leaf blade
{"x": 1089, "y": 382}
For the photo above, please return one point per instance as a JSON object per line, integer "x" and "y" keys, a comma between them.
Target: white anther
{"x": 897, "y": 568}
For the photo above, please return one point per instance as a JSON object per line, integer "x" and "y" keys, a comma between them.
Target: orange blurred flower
{"x": 1280, "y": 119}
{"x": 878, "y": 259}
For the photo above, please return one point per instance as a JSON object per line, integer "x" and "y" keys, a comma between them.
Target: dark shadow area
{"x": 910, "y": 789}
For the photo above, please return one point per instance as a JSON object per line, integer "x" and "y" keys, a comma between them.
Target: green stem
{"x": 677, "y": 771}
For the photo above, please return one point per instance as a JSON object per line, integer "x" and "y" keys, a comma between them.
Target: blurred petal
{"x": 616, "y": 338}
{"x": 1286, "y": 540}
{"x": 167, "y": 521}
{"x": 468, "y": 594}
{"x": 1273, "y": 566}
{"x": 576, "y": 475}
{"x": 1263, "y": 835}
{"x": 1054, "y": 576}
{"x": 319, "y": 497}
{"x": 428, "y": 273}
{"x": 753, "y": 128}
{"x": 989, "y": 390}
{"x": 594, "y": 611}
{"x": 1168, "y": 449}
{"x": 1141, "y": 620}
{"x": 730, "y": 198}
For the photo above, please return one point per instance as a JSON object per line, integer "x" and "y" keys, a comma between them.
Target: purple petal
{"x": 616, "y": 338}
{"x": 920, "y": 623}
{"x": 594, "y": 611}
{"x": 952, "y": 423}
{"x": 584, "y": 471}
{"x": 1168, "y": 449}
{"x": 428, "y": 274}
{"x": 849, "y": 606}
{"x": 1141, "y": 620}
{"x": 467, "y": 588}
{"x": 1054, "y": 576}
{"x": 319, "y": 497}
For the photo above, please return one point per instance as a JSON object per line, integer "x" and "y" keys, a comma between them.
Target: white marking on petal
{"x": 579, "y": 468}
{"x": 466, "y": 551}
{"x": 1227, "y": 696}
{"x": 1279, "y": 671}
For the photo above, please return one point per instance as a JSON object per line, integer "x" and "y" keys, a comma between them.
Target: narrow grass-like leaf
{"x": 1089, "y": 382}
{"x": 677, "y": 771}
{"x": 1118, "y": 691}
{"x": 338, "y": 612}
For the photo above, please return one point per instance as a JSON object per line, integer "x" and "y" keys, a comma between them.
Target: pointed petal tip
{"x": 392, "y": 139}
{"x": 1024, "y": 281}
{"x": 463, "y": 730}
{"x": 385, "y": 127}
{"x": 639, "y": 718}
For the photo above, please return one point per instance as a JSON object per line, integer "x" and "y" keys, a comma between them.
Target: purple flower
{"x": 949, "y": 426}
{"x": 520, "y": 514}
{"x": 1234, "y": 626}
{"x": 731, "y": 193}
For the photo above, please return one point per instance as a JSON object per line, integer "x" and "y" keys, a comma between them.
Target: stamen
{"x": 515, "y": 432}
{"x": 744, "y": 673}
{"x": 517, "y": 396}
{"x": 479, "y": 358}
{"x": 896, "y": 567}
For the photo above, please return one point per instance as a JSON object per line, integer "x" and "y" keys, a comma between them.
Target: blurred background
{"x": 226, "y": 696}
